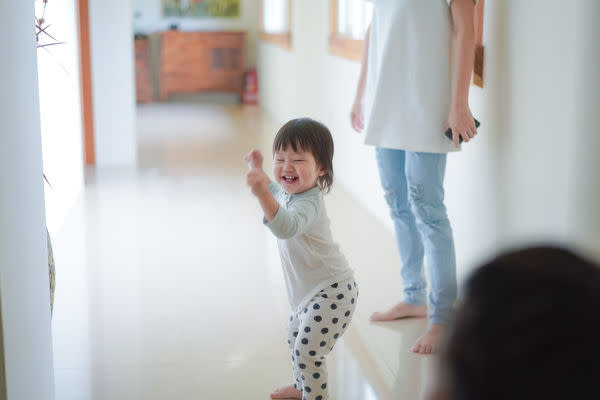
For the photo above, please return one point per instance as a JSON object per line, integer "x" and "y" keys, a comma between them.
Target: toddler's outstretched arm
{"x": 259, "y": 182}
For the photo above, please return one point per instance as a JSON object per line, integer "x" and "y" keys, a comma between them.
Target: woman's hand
{"x": 462, "y": 124}
{"x": 256, "y": 177}
{"x": 357, "y": 116}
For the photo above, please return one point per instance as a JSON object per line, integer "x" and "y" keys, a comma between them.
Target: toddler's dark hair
{"x": 309, "y": 135}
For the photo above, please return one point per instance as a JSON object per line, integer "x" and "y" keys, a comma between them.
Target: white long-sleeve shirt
{"x": 311, "y": 260}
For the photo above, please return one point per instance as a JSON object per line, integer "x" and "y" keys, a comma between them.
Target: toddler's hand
{"x": 258, "y": 181}
{"x": 254, "y": 159}
{"x": 256, "y": 177}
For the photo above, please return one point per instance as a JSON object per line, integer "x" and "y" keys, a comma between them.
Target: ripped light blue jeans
{"x": 414, "y": 191}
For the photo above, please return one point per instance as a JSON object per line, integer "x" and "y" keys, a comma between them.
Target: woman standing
{"x": 415, "y": 53}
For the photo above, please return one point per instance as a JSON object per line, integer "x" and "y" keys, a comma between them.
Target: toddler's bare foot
{"x": 286, "y": 392}
{"x": 400, "y": 310}
{"x": 430, "y": 341}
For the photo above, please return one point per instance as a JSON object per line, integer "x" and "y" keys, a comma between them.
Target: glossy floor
{"x": 169, "y": 287}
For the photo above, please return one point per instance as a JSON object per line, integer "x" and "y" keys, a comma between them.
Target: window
{"x": 276, "y": 22}
{"x": 348, "y": 23}
{"x": 354, "y": 17}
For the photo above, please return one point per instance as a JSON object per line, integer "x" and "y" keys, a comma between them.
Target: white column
{"x": 26, "y": 345}
{"x": 585, "y": 210}
{"x": 113, "y": 81}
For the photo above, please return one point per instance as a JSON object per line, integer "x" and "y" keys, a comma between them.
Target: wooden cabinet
{"x": 201, "y": 62}
{"x": 143, "y": 72}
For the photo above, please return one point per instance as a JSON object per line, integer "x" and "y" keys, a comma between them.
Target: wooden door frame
{"x": 87, "y": 112}
{"x": 479, "y": 50}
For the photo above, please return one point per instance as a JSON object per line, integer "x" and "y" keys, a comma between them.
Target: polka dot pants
{"x": 312, "y": 333}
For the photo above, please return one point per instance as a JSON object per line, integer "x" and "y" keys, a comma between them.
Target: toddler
{"x": 320, "y": 285}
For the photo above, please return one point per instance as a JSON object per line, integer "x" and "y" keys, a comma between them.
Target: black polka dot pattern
{"x": 321, "y": 322}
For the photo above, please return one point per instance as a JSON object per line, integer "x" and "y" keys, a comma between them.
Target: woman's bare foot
{"x": 286, "y": 392}
{"x": 430, "y": 341}
{"x": 400, "y": 310}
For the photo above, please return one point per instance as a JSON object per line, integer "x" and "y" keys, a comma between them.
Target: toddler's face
{"x": 296, "y": 172}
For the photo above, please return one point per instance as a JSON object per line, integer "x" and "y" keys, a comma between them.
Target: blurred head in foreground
{"x": 529, "y": 329}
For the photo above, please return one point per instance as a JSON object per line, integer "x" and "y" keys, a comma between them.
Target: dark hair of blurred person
{"x": 529, "y": 328}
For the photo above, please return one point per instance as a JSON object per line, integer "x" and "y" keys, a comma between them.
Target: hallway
{"x": 169, "y": 287}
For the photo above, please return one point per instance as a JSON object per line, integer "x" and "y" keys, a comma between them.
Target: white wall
{"x": 113, "y": 82}
{"x": 543, "y": 96}
{"x": 538, "y": 157}
{"x": 24, "y": 287}
{"x": 584, "y": 212}
{"x": 148, "y": 19}
{"x": 60, "y": 112}
{"x": 530, "y": 174}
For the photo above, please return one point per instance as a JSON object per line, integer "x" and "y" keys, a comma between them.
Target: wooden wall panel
{"x": 201, "y": 61}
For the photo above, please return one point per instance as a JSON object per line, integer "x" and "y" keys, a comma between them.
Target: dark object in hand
{"x": 448, "y": 132}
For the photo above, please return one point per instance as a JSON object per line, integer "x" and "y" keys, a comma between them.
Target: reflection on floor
{"x": 169, "y": 287}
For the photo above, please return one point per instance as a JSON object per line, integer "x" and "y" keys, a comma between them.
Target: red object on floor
{"x": 250, "y": 91}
